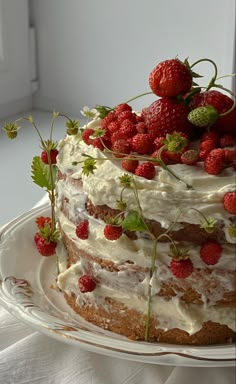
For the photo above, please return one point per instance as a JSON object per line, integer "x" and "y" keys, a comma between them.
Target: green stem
{"x": 137, "y": 97}
{"x": 232, "y": 94}
{"x": 211, "y": 83}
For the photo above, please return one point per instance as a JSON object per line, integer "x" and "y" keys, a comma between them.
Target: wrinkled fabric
{"x": 29, "y": 357}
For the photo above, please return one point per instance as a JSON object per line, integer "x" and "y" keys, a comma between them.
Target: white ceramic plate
{"x": 27, "y": 290}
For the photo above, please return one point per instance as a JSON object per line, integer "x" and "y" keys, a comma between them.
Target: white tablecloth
{"x": 30, "y": 357}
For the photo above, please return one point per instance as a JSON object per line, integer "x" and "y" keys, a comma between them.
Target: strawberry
{"x": 141, "y": 127}
{"x": 53, "y": 156}
{"x": 41, "y": 221}
{"x": 181, "y": 268}
{"x": 126, "y": 115}
{"x": 170, "y": 78}
{"x": 142, "y": 143}
{"x": 129, "y": 164}
{"x": 112, "y": 232}
{"x": 127, "y": 129}
{"x": 166, "y": 116}
{"x": 230, "y": 156}
{"x": 203, "y": 116}
{"x": 214, "y": 162}
{"x": 210, "y": 252}
{"x": 227, "y": 123}
{"x": 121, "y": 147}
{"x": 44, "y": 246}
{"x": 82, "y": 230}
{"x": 211, "y": 135}
{"x": 164, "y": 156}
{"x": 226, "y": 140}
{"x": 229, "y": 202}
{"x": 189, "y": 157}
{"x": 111, "y": 116}
{"x": 122, "y": 107}
{"x": 86, "y": 284}
{"x": 207, "y": 145}
{"x": 216, "y": 99}
{"x": 86, "y": 135}
{"x": 146, "y": 170}
{"x": 113, "y": 126}
{"x": 159, "y": 142}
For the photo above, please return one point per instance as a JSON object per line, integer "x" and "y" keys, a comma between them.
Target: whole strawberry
{"x": 181, "y": 268}
{"x": 210, "y": 252}
{"x": 214, "y": 163}
{"x": 203, "y": 116}
{"x": 229, "y": 202}
{"x": 166, "y": 116}
{"x": 112, "y": 232}
{"x": 44, "y": 246}
{"x": 82, "y": 230}
{"x": 170, "y": 78}
{"x": 146, "y": 170}
{"x": 86, "y": 284}
{"x": 53, "y": 156}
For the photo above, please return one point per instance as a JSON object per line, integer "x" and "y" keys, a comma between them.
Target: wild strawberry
{"x": 125, "y": 115}
{"x": 203, "y": 153}
{"x": 203, "y": 116}
{"x": 113, "y": 126}
{"x": 82, "y": 230}
{"x": 101, "y": 143}
{"x": 189, "y": 157}
{"x": 112, "y": 232}
{"x": 86, "y": 135}
{"x": 146, "y": 170}
{"x": 227, "y": 123}
{"x": 166, "y": 116}
{"x": 181, "y": 268}
{"x": 129, "y": 164}
{"x": 226, "y": 140}
{"x": 229, "y": 202}
{"x": 207, "y": 145}
{"x": 108, "y": 119}
{"x": 214, "y": 162}
{"x": 44, "y": 246}
{"x": 170, "y": 78}
{"x": 122, "y": 107}
{"x": 159, "y": 142}
{"x": 210, "y": 252}
{"x": 53, "y": 156}
{"x": 211, "y": 135}
{"x": 216, "y": 99}
{"x": 86, "y": 284}
{"x": 121, "y": 148}
{"x": 127, "y": 129}
{"x": 142, "y": 143}
{"x": 141, "y": 127}
{"x": 164, "y": 156}
{"x": 41, "y": 221}
{"x": 230, "y": 156}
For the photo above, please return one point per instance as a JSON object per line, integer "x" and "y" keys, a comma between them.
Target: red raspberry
{"x": 146, "y": 170}
{"x": 142, "y": 143}
{"x": 189, "y": 157}
{"x": 121, "y": 146}
{"x": 129, "y": 164}
{"x": 181, "y": 268}
{"x": 112, "y": 232}
{"x": 141, "y": 127}
{"x": 122, "y": 107}
{"x": 113, "y": 126}
{"x": 53, "y": 156}
{"x": 82, "y": 230}
{"x": 86, "y": 135}
{"x": 214, "y": 162}
{"x": 42, "y": 221}
{"x": 45, "y": 247}
{"x": 210, "y": 252}
{"x": 86, "y": 284}
{"x": 229, "y": 202}
{"x": 226, "y": 140}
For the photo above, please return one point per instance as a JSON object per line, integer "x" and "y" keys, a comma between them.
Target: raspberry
{"x": 82, "y": 230}
{"x": 189, "y": 157}
{"x": 210, "y": 252}
{"x": 112, "y": 232}
{"x": 181, "y": 268}
{"x": 129, "y": 164}
{"x": 45, "y": 248}
{"x": 41, "y": 221}
{"x": 146, "y": 170}
{"x": 226, "y": 141}
{"x": 142, "y": 143}
{"x": 229, "y": 202}
{"x": 121, "y": 146}
{"x": 53, "y": 156}
{"x": 86, "y": 135}
{"x": 214, "y": 162}
{"x": 86, "y": 284}
{"x": 121, "y": 108}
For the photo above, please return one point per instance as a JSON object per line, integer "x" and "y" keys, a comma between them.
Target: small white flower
{"x": 90, "y": 113}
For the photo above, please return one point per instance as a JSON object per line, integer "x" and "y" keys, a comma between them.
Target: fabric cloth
{"x": 29, "y": 357}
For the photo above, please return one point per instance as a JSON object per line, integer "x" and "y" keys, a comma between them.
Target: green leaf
{"x": 134, "y": 222}
{"x": 41, "y": 174}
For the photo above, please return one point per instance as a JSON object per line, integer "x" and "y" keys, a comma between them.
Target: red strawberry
{"x": 229, "y": 202}
{"x": 170, "y": 78}
{"x": 53, "y": 156}
{"x": 127, "y": 129}
{"x": 166, "y": 116}
{"x": 164, "y": 156}
{"x": 41, "y": 221}
{"x": 86, "y": 135}
{"x": 226, "y": 140}
{"x": 210, "y": 252}
{"x": 122, "y": 107}
{"x": 112, "y": 232}
{"x": 214, "y": 162}
{"x": 211, "y": 135}
{"x": 146, "y": 169}
{"x": 207, "y": 145}
{"x": 190, "y": 157}
{"x": 82, "y": 230}
{"x": 45, "y": 247}
{"x": 141, "y": 127}
{"x": 181, "y": 268}
{"x": 227, "y": 123}
{"x": 121, "y": 146}
{"x": 111, "y": 116}
{"x": 129, "y": 164}
{"x": 126, "y": 115}
{"x": 230, "y": 156}
{"x": 113, "y": 126}
{"x": 216, "y": 99}
{"x": 86, "y": 284}
{"x": 142, "y": 143}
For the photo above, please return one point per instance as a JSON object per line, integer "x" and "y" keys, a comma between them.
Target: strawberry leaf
{"x": 41, "y": 174}
{"x": 134, "y": 222}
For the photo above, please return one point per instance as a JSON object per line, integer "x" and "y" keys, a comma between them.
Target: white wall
{"x": 101, "y": 52}
{"x": 15, "y": 84}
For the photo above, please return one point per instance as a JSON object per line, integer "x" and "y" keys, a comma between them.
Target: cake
{"x": 146, "y": 209}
